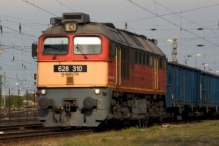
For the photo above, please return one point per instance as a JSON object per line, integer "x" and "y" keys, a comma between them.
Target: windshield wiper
{"x": 54, "y": 57}
{"x": 85, "y": 57}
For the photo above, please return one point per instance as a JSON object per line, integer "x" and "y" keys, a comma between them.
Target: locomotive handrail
{"x": 157, "y": 73}
{"x": 120, "y": 66}
{"x": 116, "y": 66}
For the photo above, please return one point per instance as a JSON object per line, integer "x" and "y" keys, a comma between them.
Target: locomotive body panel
{"x": 140, "y": 79}
{"x": 94, "y": 75}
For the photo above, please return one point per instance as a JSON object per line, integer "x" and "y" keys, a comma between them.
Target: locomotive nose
{"x": 89, "y": 103}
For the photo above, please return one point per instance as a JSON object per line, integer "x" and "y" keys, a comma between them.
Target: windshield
{"x": 55, "y": 46}
{"x": 87, "y": 45}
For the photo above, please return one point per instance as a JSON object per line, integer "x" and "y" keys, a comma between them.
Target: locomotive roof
{"x": 120, "y": 36}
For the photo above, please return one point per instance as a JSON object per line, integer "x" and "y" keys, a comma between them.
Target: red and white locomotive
{"x": 90, "y": 72}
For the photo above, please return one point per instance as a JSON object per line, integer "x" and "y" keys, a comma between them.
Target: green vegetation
{"x": 16, "y": 101}
{"x": 199, "y": 134}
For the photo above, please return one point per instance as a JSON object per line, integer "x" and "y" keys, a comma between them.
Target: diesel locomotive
{"x": 89, "y": 73}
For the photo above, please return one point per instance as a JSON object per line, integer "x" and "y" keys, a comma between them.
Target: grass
{"x": 196, "y": 134}
{"x": 201, "y": 134}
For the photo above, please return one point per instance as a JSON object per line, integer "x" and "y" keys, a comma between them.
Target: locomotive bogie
{"x": 129, "y": 106}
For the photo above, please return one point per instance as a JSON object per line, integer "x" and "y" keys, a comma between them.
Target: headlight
{"x": 97, "y": 91}
{"x": 43, "y": 91}
{"x": 70, "y": 26}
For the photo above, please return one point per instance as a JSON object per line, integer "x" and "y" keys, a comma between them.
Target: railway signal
{"x": 34, "y": 76}
{"x": 175, "y": 48}
{"x": 175, "y": 45}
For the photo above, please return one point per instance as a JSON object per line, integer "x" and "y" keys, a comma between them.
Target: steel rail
{"x": 10, "y": 136}
{"x": 4, "y": 128}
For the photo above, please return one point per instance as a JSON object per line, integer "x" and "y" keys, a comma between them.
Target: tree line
{"x": 16, "y": 101}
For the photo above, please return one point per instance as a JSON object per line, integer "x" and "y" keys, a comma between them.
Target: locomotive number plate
{"x": 70, "y": 68}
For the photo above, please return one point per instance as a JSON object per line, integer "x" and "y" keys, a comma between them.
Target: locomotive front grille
{"x": 70, "y": 81}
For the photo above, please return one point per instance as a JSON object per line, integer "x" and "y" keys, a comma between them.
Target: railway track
{"x": 18, "y": 118}
{"x": 4, "y": 128}
{"x": 43, "y": 133}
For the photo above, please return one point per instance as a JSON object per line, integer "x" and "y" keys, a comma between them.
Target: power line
{"x": 19, "y": 22}
{"x": 186, "y": 19}
{"x": 171, "y": 22}
{"x": 19, "y": 31}
{"x": 168, "y": 13}
{"x": 40, "y": 8}
{"x": 30, "y": 21}
{"x": 182, "y": 16}
{"x": 66, "y": 5}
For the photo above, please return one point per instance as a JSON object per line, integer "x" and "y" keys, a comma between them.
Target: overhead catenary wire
{"x": 17, "y": 61}
{"x": 183, "y": 17}
{"x": 160, "y": 16}
{"x": 168, "y": 13}
{"x": 40, "y": 8}
{"x": 186, "y": 19}
{"x": 26, "y": 20}
{"x": 19, "y": 31}
{"x": 66, "y": 6}
{"x": 19, "y": 23}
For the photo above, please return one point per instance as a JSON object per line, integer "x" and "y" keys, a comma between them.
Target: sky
{"x": 169, "y": 18}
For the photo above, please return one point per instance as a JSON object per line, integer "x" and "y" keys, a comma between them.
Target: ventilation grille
{"x": 76, "y": 17}
{"x": 72, "y": 17}
{"x": 69, "y": 80}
